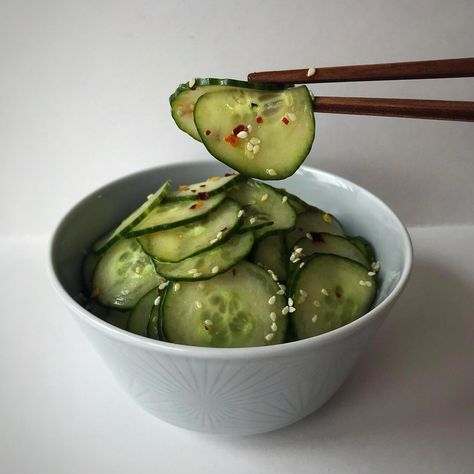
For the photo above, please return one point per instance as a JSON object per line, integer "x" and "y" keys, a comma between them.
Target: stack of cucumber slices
{"x": 229, "y": 262}
{"x": 260, "y": 130}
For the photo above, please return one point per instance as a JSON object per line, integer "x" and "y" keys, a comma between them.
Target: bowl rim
{"x": 231, "y": 353}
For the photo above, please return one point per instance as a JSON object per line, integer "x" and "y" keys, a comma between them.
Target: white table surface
{"x": 407, "y": 407}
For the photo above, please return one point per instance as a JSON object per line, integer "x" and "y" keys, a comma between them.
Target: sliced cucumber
{"x": 176, "y": 244}
{"x": 117, "y": 318}
{"x": 330, "y": 243}
{"x": 365, "y": 247}
{"x": 313, "y": 221}
{"x": 174, "y": 214}
{"x": 263, "y": 203}
{"x": 280, "y": 136}
{"x": 140, "y": 315}
{"x": 210, "y": 263}
{"x": 259, "y": 223}
{"x": 133, "y": 219}
{"x": 204, "y": 189}
{"x": 239, "y": 308}
{"x": 271, "y": 254}
{"x": 152, "y": 328}
{"x": 183, "y": 100}
{"x": 123, "y": 275}
{"x": 296, "y": 203}
{"x": 329, "y": 292}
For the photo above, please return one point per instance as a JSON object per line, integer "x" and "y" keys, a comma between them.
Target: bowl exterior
{"x": 231, "y": 396}
{"x": 231, "y": 391}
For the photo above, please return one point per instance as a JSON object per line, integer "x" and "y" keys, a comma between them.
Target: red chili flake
{"x": 338, "y": 295}
{"x": 317, "y": 237}
{"x": 229, "y": 174}
{"x": 285, "y": 120}
{"x": 234, "y": 271}
{"x": 240, "y": 128}
{"x": 224, "y": 229}
{"x": 193, "y": 191}
{"x": 232, "y": 140}
{"x": 208, "y": 132}
{"x": 203, "y": 196}
{"x": 197, "y": 205}
{"x": 259, "y": 119}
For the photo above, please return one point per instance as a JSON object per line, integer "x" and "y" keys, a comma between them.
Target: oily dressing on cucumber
{"x": 263, "y": 134}
{"x": 184, "y": 99}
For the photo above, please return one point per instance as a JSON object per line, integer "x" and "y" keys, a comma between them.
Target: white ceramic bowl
{"x": 231, "y": 391}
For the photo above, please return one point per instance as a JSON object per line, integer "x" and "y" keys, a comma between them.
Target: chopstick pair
{"x": 409, "y": 108}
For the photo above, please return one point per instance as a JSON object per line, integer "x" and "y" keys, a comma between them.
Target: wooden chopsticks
{"x": 410, "y": 108}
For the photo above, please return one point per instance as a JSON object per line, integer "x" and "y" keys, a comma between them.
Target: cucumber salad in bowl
{"x": 233, "y": 261}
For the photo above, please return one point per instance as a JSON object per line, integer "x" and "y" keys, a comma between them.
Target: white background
{"x": 84, "y": 89}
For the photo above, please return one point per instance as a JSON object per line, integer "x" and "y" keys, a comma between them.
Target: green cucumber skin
{"x": 135, "y": 322}
{"x": 226, "y": 237}
{"x": 222, "y": 269}
{"x": 296, "y": 282}
{"x": 259, "y": 173}
{"x": 114, "y": 236}
{"x": 172, "y": 197}
{"x": 216, "y": 84}
{"x": 157, "y": 228}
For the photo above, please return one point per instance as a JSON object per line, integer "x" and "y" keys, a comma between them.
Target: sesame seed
{"x": 255, "y": 141}
{"x": 138, "y": 269}
{"x": 311, "y": 72}
{"x": 371, "y": 274}
{"x": 176, "y": 287}
{"x": 291, "y": 309}
{"x": 273, "y": 316}
{"x": 280, "y": 292}
{"x": 149, "y": 196}
{"x": 197, "y": 275}
{"x": 327, "y": 217}
{"x": 368, "y": 283}
{"x": 249, "y": 146}
{"x": 271, "y": 171}
{"x": 285, "y": 310}
{"x": 375, "y": 266}
{"x": 252, "y": 220}
{"x": 296, "y": 260}
{"x": 198, "y": 304}
{"x": 298, "y": 249}
{"x": 283, "y": 287}
{"x": 309, "y": 236}
{"x": 272, "y": 299}
{"x": 240, "y": 213}
{"x": 303, "y": 293}
{"x": 215, "y": 269}
{"x": 201, "y": 285}
{"x": 302, "y": 264}
{"x": 252, "y": 202}
{"x": 269, "y": 336}
{"x": 208, "y": 322}
{"x": 291, "y": 116}
{"x": 192, "y": 271}
{"x": 274, "y": 327}
{"x": 361, "y": 282}
{"x": 284, "y": 199}
{"x": 243, "y": 134}
{"x": 325, "y": 292}
{"x": 249, "y": 128}
{"x": 219, "y": 235}
{"x": 314, "y": 318}
{"x": 256, "y": 149}
{"x": 157, "y": 301}
{"x": 192, "y": 83}
{"x": 213, "y": 241}
{"x": 316, "y": 303}
{"x": 163, "y": 285}
{"x": 290, "y": 301}
{"x": 264, "y": 197}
